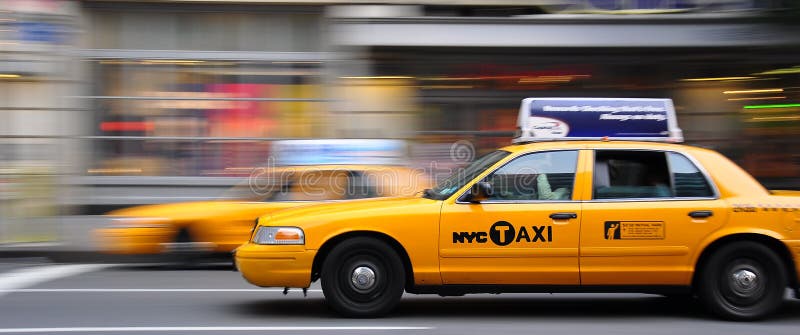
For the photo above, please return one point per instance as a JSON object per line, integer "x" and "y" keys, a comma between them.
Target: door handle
{"x": 701, "y": 214}
{"x": 564, "y": 216}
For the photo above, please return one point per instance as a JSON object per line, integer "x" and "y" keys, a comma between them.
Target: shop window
{"x": 216, "y": 118}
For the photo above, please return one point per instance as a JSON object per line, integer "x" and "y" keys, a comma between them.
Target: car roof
{"x": 613, "y": 144}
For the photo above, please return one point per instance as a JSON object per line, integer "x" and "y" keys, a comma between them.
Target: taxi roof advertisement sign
{"x": 548, "y": 119}
{"x": 338, "y": 152}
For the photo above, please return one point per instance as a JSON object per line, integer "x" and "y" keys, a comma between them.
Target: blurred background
{"x": 109, "y": 104}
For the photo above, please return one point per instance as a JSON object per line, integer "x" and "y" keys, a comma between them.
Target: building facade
{"x": 130, "y": 102}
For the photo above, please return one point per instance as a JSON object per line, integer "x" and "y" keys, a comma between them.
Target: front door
{"x": 525, "y": 233}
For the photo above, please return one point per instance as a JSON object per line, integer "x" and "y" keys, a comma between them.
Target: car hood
{"x": 307, "y": 216}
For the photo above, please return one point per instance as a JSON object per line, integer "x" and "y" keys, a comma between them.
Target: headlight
{"x": 279, "y": 235}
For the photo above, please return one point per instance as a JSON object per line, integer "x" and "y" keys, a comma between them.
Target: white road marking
{"x": 138, "y": 290}
{"x": 18, "y": 279}
{"x": 192, "y": 329}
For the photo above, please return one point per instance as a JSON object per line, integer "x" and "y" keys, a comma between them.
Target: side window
{"x": 360, "y": 185}
{"x": 631, "y": 174}
{"x": 689, "y": 181}
{"x": 314, "y": 185}
{"x": 537, "y": 176}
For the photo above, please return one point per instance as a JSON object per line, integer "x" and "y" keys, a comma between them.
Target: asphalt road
{"x": 101, "y": 299}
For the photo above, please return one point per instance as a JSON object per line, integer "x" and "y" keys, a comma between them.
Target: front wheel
{"x": 743, "y": 281}
{"x": 363, "y": 277}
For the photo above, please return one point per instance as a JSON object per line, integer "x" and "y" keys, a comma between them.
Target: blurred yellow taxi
{"x": 566, "y": 213}
{"x": 222, "y": 225}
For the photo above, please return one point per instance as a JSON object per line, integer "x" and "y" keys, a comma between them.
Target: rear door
{"x": 648, "y": 210}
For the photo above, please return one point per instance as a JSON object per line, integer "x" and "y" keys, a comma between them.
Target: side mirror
{"x": 480, "y": 191}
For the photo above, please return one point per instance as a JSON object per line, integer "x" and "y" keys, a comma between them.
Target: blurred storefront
{"x": 197, "y": 90}
{"x": 469, "y": 93}
{"x": 137, "y": 102}
{"x": 36, "y": 74}
{"x": 734, "y": 75}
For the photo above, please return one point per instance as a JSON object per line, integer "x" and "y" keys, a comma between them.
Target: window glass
{"x": 631, "y": 174}
{"x": 538, "y": 176}
{"x": 308, "y": 183}
{"x": 689, "y": 181}
{"x": 389, "y": 182}
{"x": 461, "y": 177}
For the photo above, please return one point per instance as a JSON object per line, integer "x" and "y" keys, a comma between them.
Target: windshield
{"x": 457, "y": 180}
{"x": 306, "y": 185}
{"x": 331, "y": 183}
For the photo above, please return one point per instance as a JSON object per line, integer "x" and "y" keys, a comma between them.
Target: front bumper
{"x": 275, "y": 265}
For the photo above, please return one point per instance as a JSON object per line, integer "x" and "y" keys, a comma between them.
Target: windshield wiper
{"x": 428, "y": 193}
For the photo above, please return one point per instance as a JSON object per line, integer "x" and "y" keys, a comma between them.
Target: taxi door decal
{"x": 634, "y": 230}
{"x": 503, "y": 233}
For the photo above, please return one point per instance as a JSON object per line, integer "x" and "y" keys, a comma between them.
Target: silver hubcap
{"x": 744, "y": 281}
{"x": 363, "y": 278}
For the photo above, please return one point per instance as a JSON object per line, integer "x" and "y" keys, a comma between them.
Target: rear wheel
{"x": 743, "y": 281}
{"x": 363, "y": 277}
{"x": 182, "y": 252}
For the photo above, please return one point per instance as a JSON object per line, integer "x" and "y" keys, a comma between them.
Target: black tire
{"x": 356, "y": 296}
{"x": 743, "y": 281}
{"x": 182, "y": 256}
{"x": 183, "y": 236}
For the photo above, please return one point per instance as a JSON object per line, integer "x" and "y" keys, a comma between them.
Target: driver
{"x": 543, "y": 189}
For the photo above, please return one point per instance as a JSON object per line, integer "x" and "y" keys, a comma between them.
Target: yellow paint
{"x": 224, "y": 225}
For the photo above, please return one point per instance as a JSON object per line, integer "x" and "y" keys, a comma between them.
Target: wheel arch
{"x": 326, "y": 247}
{"x": 771, "y": 242}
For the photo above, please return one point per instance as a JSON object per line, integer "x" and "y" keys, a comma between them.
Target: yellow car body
{"x": 220, "y": 226}
{"x": 591, "y": 239}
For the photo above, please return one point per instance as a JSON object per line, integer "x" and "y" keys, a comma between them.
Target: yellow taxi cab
{"x": 219, "y": 226}
{"x": 557, "y": 212}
